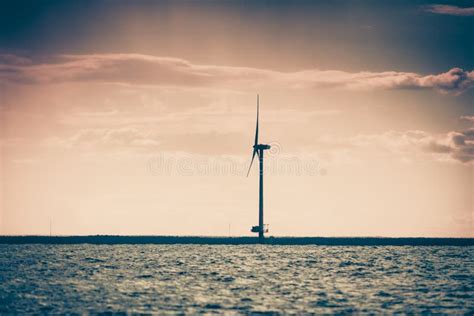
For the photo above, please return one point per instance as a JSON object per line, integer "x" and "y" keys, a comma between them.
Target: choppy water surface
{"x": 235, "y": 279}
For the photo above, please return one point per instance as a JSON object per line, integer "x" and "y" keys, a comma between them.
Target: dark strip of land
{"x": 322, "y": 241}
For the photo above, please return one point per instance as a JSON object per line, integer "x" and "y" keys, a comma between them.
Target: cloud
{"x": 25, "y": 161}
{"x": 454, "y": 146}
{"x": 455, "y": 80}
{"x": 467, "y": 118}
{"x": 136, "y": 69}
{"x": 10, "y": 59}
{"x": 129, "y": 137}
{"x": 448, "y": 10}
{"x": 461, "y": 145}
{"x": 143, "y": 140}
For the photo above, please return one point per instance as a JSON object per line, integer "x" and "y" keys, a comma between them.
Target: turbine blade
{"x": 251, "y": 162}
{"x": 256, "y": 129}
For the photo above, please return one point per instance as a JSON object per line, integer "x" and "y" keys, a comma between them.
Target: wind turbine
{"x": 258, "y": 149}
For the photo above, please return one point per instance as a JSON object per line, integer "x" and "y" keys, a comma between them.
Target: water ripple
{"x": 255, "y": 279}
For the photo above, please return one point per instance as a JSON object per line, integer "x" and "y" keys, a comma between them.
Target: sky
{"x": 138, "y": 117}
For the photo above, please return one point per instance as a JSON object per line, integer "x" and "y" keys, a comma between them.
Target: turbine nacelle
{"x": 261, "y": 147}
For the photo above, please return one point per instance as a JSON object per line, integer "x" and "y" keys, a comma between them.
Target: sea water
{"x": 233, "y": 279}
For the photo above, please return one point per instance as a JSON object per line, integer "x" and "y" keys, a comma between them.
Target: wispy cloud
{"x": 12, "y": 59}
{"x": 165, "y": 71}
{"x": 467, "y": 118}
{"x": 107, "y": 138}
{"x": 457, "y": 145}
{"x": 448, "y": 10}
{"x": 454, "y": 146}
{"x": 25, "y": 161}
{"x": 143, "y": 140}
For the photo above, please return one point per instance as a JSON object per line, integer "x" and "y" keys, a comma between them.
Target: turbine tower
{"x": 258, "y": 149}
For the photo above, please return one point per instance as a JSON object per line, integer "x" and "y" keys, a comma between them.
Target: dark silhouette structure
{"x": 203, "y": 240}
{"x": 258, "y": 149}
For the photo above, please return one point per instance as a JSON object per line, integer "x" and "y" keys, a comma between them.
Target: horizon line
{"x": 238, "y": 240}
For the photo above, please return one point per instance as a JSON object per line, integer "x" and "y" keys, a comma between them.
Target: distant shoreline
{"x": 196, "y": 240}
